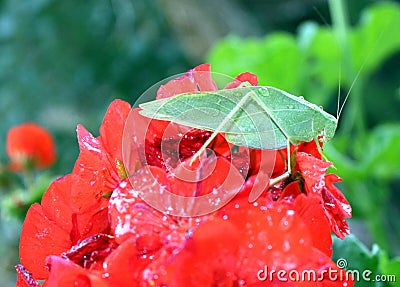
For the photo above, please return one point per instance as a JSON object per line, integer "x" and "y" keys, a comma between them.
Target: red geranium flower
{"x": 309, "y": 177}
{"x": 74, "y": 208}
{"x": 25, "y": 278}
{"x": 93, "y": 228}
{"x": 65, "y": 272}
{"x": 195, "y": 80}
{"x": 316, "y": 181}
{"x": 30, "y": 146}
{"x": 230, "y": 250}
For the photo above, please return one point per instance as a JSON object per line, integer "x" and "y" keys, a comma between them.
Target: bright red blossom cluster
{"x": 92, "y": 228}
{"x": 30, "y": 146}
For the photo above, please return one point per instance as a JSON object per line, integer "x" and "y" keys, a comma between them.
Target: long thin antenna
{"x": 321, "y": 16}
{"x": 359, "y": 73}
{"x": 340, "y": 60}
{"x": 339, "y": 83}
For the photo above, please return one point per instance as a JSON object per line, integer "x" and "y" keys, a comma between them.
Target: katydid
{"x": 257, "y": 117}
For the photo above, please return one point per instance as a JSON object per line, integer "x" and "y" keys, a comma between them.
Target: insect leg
{"x": 285, "y": 175}
{"x": 289, "y": 168}
{"x": 220, "y": 126}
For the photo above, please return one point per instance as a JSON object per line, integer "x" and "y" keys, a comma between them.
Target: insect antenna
{"x": 339, "y": 87}
{"x": 321, "y": 16}
{"x": 359, "y": 73}
{"x": 339, "y": 112}
{"x": 326, "y": 23}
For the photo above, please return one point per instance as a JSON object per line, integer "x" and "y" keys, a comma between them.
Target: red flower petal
{"x": 64, "y": 272}
{"x": 245, "y": 240}
{"x": 208, "y": 258}
{"x": 155, "y": 129}
{"x": 275, "y": 160}
{"x": 91, "y": 252}
{"x": 218, "y": 170}
{"x": 343, "y": 204}
{"x": 40, "y": 237}
{"x": 195, "y": 80}
{"x": 291, "y": 191}
{"x": 25, "y": 278}
{"x": 30, "y": 142}
{"x": 313, "y": 171}
{"x": 96, "y": 176}
{"x": 269, "y": 235}
{"x": 316, "y": 182}
{"x": 100, "y": 158}
{"x": 242, "y": 78}
{"x": 172, "y": 144}
{"x": 310, "y": 148}
{"x": 132, "y": 217}
{"x": 112, "y": 129}
{"x": 56, "y": 202}
{"x": 336, "y": 206}
{"x": 311, "y": 211}
{"x": 125, "y": 264}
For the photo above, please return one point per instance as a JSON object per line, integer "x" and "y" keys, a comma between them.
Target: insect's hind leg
{"x": 287, "y": 174}
{"x": 289, "y": 167}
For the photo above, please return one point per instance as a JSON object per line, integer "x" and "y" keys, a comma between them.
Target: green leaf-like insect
{"x": 256, "y": 117}
{"x": 252, "y": 116}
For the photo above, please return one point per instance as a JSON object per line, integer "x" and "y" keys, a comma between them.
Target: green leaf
{"x": 358, "y": 258}
{"x": 256, "y": 117}
{"x": 321, "y": 50}
{"x": 17, "y": 202}
{"x": 276, "y": 59}
{"x": 376, "y": 37}
{"x": 322, "y": 63}
{"x": 381, "y": 156}
{"x": 391, "y": 269}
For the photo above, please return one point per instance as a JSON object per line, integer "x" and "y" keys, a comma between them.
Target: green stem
{"x": 28, "y": 178}
{"x": 377, "y": 220}
{"x": 354, "y": 122}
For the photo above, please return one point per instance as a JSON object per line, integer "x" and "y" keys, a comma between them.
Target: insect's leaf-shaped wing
{"x": 298, "y": 119}
{"x": 250, "y": 126}
{"x": 264, "y": 120}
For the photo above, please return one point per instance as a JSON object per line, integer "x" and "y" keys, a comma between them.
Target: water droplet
{"x": 284, "y": 224}
{"x": 286, "y": 246}
{"x": 287, "y": 220}
{"x": 290, "y": 212}
{"x": 270, "y": 222}
{"x": 262, "y": 237}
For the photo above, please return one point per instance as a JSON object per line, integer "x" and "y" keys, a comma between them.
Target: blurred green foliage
{"x": 366, "y": 264}
{"x": 61, "y": 63}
